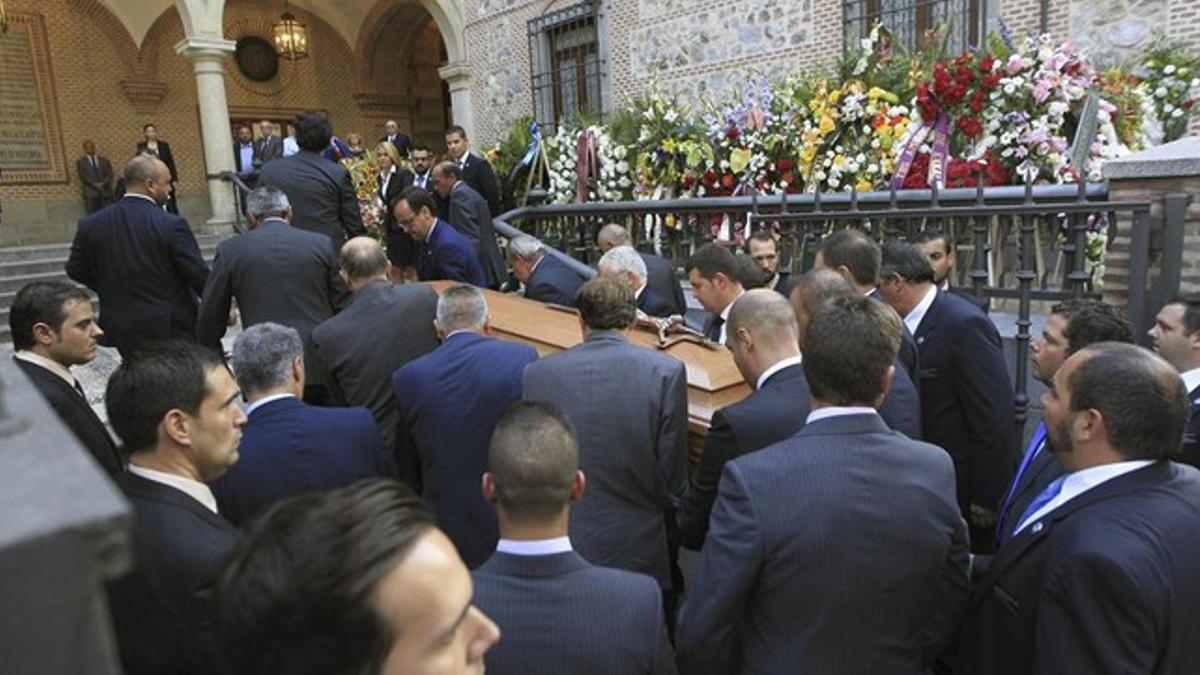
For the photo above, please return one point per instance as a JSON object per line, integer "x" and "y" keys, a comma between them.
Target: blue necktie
{"x": 1039, "y": 436}
{"x": 1043, "y": 498}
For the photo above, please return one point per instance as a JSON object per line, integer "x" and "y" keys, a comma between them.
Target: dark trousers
{"x": 94, "y": 204}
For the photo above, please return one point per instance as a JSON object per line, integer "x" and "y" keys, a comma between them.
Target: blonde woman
{"x": 393, "y": 178}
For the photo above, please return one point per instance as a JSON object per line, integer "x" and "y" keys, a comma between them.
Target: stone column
{"x": 208, "y": 59}
{"x": 458, "y": 76}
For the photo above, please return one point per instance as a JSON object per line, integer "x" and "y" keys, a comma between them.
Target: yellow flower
{"x": 668, "y": 146}
{"x": 739, "y": 159}
{"x": 835, "y": 95}
{"x": 863, "y": 185}
{"x": 826, "y": 124}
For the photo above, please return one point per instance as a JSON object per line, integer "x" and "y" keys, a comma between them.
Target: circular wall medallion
{"x": 256, "y": 59}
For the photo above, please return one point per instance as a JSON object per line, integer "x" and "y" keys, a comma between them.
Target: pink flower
{"x": 1014, "y": 64}
{"x": 1041, "y": 91}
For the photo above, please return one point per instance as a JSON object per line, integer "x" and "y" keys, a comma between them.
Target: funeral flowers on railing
{"x": 1172, "y": 76}
{"x": 587, "y": 165}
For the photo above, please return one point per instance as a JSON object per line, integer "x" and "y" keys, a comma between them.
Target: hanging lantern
{"x": 290, "y": 37}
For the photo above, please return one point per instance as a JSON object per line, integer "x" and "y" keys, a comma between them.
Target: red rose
{"x": 688, "y": 181}
{"x": 783, "y": 164}
{"x": 991, "y": 81}
{"x": 970, "y": 126}
{"x": 918, "y": 171}
{"x": 976, "y": 104}
{"x": 709, "y": 178}
{"x": 1187, "y": 105}
{"x": 732, "y": 133}
{"x": 727, "y": 181}
{"x": 788, "y": 178}
{"x": 986, "y": 63}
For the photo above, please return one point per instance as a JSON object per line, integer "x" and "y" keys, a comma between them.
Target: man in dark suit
{"x": 143, "y": 262}
{"x": 476, "y": 171}
{"x": 901, "y": 407}
{"x": 243, "y": 152}
{"x": 840, "y": 548}
{"x": 1176, "y": 336}
{"x": 52, "y": 329}
{"x": 766, "y": 350}
{"x": 629, "y": 409}
{"x": 177, "y": 408}
{"x": 763, "y": 248}
{"x": 449, "y": 401}
{"x": 269, "y": 146}
{"x": 392, "y": 135}
{"x": 966, "y": 396}
{"x": 558, "y": 612}
{"x": 95, "y": 178}
{"x": 319, "y": 190}
{"x": 277, "y": 273}
{"x": 422, "y": 168}
{"x": 856, "y": 257}
{"x": 713, "y": 273}
{"x": 469, "y": 215}
{"x": 289, "y": 447}
{"x": 660, "y": 275}
{"x": 939, "y": 249}
{"x": 444, "y": 253}
{"x": 385, "y": 327}
{"x": 546, "y": 279}
{"x": 1101, "y": 575}
{"x": 1071, "y": 326}
{"x": 625, "y": 265}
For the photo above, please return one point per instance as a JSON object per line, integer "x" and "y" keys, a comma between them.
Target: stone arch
{"x": 111, "y": 27}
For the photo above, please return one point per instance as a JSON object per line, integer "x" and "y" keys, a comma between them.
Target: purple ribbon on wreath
{"x": 938, "y": 156}
{"x": 587, "y": 164}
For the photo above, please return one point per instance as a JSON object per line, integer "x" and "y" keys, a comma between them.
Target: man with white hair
{"x": 660, "y": 274}
{"x": 625, "y": 265}
{"x": 277, "y": 273}
{"x": 449, "y": 402}
{"x": 546, "y": 278}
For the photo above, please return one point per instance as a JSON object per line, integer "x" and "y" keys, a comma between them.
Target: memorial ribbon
{"x": 587, "y": 164}
{"x": 534, "y": 143}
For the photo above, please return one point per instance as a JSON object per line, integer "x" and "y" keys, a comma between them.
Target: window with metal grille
{"x": 566, "y": 64}
{"x": 912, "y": 22}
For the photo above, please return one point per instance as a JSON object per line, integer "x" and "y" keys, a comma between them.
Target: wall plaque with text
{"x": 31, "y": 149}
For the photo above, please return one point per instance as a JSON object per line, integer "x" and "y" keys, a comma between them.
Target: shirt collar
{"x": 1080, "y": 482}
{"x": 729, "y": 308}
{"x": 637, "y": 295}
{"x": 838, "y": 411}
{"x": 49, "y": 364}
{"x": 265, "y": 400}
{"x": 786, "y": 363}
{"x": 142, "y": 196}
{"x": 914, "y": 317}
{"x": 460, "y": 331}
{"x": 192, "y": 488}
{"x": 1191, "y": 379}
{"x": 536, "y": 547}
{"x": 538, "y": 262}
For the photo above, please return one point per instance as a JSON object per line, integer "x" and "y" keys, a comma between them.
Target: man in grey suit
{"x": 629, "y": 408}
{"x": 558, "y": 612}
{"x": 277, "y": 273}
{"x": 95, "y": 177}
{"x": 385, "y": 327}
{"x": 840, "y": 549}
{"x": 319, "y": 189}
{"x": 469, "y": 215}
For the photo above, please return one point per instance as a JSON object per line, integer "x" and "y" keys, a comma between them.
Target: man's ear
{"x": 488, "y": 486}
{"x": 176, "y": 425}
{"x": 578, "y": 484}
{"x": 43, "y": 334}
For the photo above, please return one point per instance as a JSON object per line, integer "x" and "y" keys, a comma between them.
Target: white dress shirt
{"x": 914, "y": 317}
{"x": 725, "y": 317}
{"x": 1080, "y": 482}
{"x": 251, "y": 407}
{"x": 194, "y": 489}
{"x": 535, "y": 547}
{"x": 247, "y": 156}
{"x": 766, "y": 374}
{"x": 49, "y": 364}
{"x": 1191, "y": 379}
{"x": 838, "y": 411}
{"x": 385, "y": 177}
{"x": 142, "y": 196}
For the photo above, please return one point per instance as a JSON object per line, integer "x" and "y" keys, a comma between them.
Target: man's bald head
{"x": 147, "y": 175}
{"x": 363, "y": 260}
{"x": 612, "y": 235}
{"x": 765, "y": 313}
{"x": 813, "y": 290}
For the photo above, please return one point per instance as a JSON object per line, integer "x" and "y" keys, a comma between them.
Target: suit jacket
{"x": 469, "y": 215}
{"x": 478, "y": 173}
{"x": 449, "y": 401}
{"x": 95, "y": 183}
{"x": 289, "y": 448}
{"x": 77, "y": 414}
{"x": 768, "y": 415}
{"x": 1190, "y": 452}
{"x": 164, "y": 154}
{"x": 840, "y": 548}
{"x": 654, "y": 304}
{"x": 1105, "y": 583}
{"x": 146, "y": 267}
{"x": 560, "y": 614}
{"x": 1043, "y": 469}
{"x": 277, "y": 273}
{"x": 425, "y": 182}
{"x": 267, "y": 149}
{"x": 446, "y": 254}
{"x": 403, "y": 143}
{"x": 966, "y": 397}
{"x": 163, "y": 611}
{"x": 320, "y": 192}
{"x": 966, "y": 294}
{"x": 237, "y": 158}
{"x": 629, "y": 409}
{"x": 784, "y": 285}
{"x": 909, "y": 355}
{"x": 660, "y": 276}
{"x": 359, "y": 348}
{"x": 552, "y": 281}
{"x": 403, "y": 178}
{"x": 901, "y": 407}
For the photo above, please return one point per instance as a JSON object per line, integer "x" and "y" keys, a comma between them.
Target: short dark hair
{"x": 934, "y": 234}
{"x": 712, "y": 259}
{"x": 750, "y": 274}
{"x": 606, "y": 305}
{"x": 155, "y": 379}
{"x": 1191, "y": 311}
{"x": 1091, "y": 321}
{"x": 40, "y": 302}
{"x": 297, "y": 596}
{"x": 451, "y": 169}
{"x": 243, "y": 126}
{"x": 313, "y": 130}
{"x": 764, "y": 235}
{"x": 843, "y": 371}
{"x": 147, "y": 125}
{"x": 456, "y": 129}
{"x": 419, "y": 146}
{"x": 905, "y": 260}
{"x": 417, "y": 199}
{"x": 853, "y": 250}
{"x": 1141, "y": 397}
{"x": 533, "y": 457}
